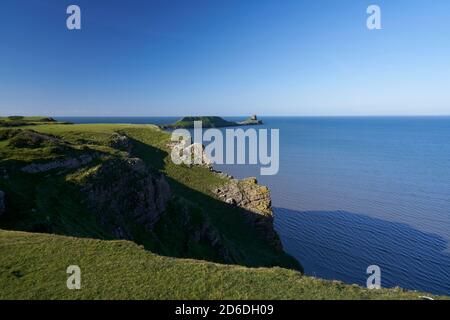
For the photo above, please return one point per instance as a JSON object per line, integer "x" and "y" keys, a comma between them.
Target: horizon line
{"x": 228, "y": 116}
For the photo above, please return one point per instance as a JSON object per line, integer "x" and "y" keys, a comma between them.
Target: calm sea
{"x": 360, "y": 191}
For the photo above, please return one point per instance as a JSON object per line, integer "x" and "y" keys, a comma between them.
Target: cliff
{"x": 123, "y": 192}
{"x": 117, "y": 182}
{"x": 255, "y": 200}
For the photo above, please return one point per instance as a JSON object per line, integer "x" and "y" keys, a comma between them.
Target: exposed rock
{"x": 121, "y": 191}
{"x": 253, "y": 120}
{"x": 199, "y": 157}
{"x": 32, "y": 139}
{"x": 6, "y": 134}
{"x": 2, "y": 203}
{"x": 65, "y": 163}
{"x": 221, "y": 174}
{"x": 204, "y": 232}
{"x": 121, "y": 142}
{"x": 247, "y": 194}
{"x": 255, "y": 200}
{"x": 230, "y": 201}
{"x": 192, "y": 154}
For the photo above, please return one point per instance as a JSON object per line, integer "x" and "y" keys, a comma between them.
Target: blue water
{"x": 354, "y": 192}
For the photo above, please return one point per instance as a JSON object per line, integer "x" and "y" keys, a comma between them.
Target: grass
{"x": 33, "y": 266}
{"x": 19, "y": 121}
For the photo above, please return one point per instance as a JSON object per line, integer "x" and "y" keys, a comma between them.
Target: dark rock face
{"x": 255, "y": 200}
{"x": 120, "y": 142}
{"x": 2, "y": 203}
{"x": 205, "y": 232}
{"x": 124, "y": 191}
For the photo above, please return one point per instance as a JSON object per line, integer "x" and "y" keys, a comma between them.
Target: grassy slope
{"x": 33, "y": 266}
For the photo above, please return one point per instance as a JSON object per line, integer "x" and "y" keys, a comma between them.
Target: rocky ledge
{"x": 253, "y": 120}
{"x": 125, "y": 191}
{"x": 256, "y": 203}
{"x": 65, "y": 163}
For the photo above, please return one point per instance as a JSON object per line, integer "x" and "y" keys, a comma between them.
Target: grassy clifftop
{"x": 33, "y": 266}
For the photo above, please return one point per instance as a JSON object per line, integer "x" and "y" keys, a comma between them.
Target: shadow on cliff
{"x": 341, "y": 245}
{"x": 201, "y": 227}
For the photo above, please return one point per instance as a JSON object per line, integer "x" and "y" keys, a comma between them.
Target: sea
{"x": 354, "y": 192}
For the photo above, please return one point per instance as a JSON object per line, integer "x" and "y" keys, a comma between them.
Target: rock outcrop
{"x": 2, "y": 203}
{"x": 253, "y": 120}
{"x": 31, "y": 139}
{"x": 255, "y": 200}
{"x": 123, "y": 192}
{"x": 199, "y": 230}
{"x": 120, "y": 142}
{"x": 65, "y": 163}
{"x": 191, "y": 154}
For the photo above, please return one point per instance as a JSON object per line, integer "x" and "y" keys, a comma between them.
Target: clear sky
{"x": 224, "y": 57}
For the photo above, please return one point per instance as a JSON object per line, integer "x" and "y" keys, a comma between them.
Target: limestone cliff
{"x": 124, "y": 191}
{"x": 255, "y": 201}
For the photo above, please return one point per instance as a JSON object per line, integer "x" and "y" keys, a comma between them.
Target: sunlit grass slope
{"x": 33, "y": 266}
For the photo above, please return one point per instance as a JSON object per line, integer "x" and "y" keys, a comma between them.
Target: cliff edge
{"x": 257, "y": 204}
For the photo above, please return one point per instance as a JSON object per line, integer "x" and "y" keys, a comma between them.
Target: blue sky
{"x": 224, "y": 57}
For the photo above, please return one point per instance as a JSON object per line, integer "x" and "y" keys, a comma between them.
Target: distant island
{"x": 211, "y": 122}
{"x": 18, "y": 121}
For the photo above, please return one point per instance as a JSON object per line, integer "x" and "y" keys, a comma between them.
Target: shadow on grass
{"x": 215, "y": 230}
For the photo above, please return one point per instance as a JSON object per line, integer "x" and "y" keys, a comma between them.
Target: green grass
{"x": 31, "y": 119}
{"x": 19, "y": 121}
{"x": 33, "y": 266}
